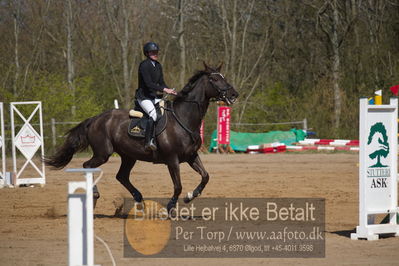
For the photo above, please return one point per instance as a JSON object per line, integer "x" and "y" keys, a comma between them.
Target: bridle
{"x": 222, "y": 91}
{"x": 221, "y": 97}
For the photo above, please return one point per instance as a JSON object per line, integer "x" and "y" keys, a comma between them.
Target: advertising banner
{"x": 224, "y": 124}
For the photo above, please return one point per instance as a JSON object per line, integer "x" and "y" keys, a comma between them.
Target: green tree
{"x": 383, "y": 150}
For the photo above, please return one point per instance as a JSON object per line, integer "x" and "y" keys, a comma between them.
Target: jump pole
{"x": 80, "y": 219}
{"x": 378, "y": 169}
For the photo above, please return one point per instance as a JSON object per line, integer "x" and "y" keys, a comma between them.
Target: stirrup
{"x": 151, "y": 145}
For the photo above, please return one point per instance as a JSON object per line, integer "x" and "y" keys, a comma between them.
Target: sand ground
{"x": 34, "y": 220}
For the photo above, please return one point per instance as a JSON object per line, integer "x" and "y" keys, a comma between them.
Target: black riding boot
{"x": 149, "y": 136}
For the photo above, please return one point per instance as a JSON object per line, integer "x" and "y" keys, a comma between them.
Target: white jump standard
{"x": 2, "y": 148}
{"x": 28, "y": 141}
{"x": 80, "y": 219}
{"x": 378, "y": 170}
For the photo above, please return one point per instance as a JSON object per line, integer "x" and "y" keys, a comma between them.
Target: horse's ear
{"x": 219, "y": 67}
{"x": 206, "y": 66}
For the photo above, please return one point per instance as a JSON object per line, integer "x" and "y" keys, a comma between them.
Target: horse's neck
{"x": 192, "y": 109}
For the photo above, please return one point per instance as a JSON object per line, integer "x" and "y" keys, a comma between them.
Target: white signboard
{"x": 377, "y": 168}
{"x": 28, "y": 141}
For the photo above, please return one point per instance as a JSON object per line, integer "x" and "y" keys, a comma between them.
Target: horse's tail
{"x": 76, "y": 140}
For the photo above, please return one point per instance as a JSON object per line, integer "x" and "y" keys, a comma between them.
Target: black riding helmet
{"x": 150, "y": 46}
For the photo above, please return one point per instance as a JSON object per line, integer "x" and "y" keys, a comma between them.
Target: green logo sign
{"x": 379, "y": 139}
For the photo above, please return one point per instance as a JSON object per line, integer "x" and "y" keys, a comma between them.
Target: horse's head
{"x": 220, "y": 89}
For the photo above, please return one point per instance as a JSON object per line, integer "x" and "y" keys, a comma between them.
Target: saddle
{"x": 138, "y": 120}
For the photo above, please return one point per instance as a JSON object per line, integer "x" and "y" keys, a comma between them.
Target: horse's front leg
{"x": 174, "y": 170}
{"x": 197, "y": 165}
{"x": 123, "y": 177}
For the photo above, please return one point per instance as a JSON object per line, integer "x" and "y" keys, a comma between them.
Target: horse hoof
{"x": 118, "y": 211}
{"x": 94, "y": 202}
{"x": 171, "y": 209}
{"x": 139, "y": 205}
{"x": 172, "y": 213}
{"x": 96, "y": 196}
{"x": 189, "y": 197}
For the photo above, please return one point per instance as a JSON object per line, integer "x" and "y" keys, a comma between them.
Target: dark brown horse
{"x": 177, "y": 143}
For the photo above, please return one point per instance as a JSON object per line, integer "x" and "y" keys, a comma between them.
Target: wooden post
{"x": 53, "y": 132}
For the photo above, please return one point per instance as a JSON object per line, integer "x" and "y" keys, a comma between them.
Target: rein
{"x": 197, "y": 103}
{"x": 191, "y": 133}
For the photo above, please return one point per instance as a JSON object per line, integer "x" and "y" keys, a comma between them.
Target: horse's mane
{"x": 190, "y": 85}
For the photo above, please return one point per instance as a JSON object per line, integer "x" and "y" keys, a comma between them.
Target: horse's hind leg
{"x": 100, "y": 156}
{"x": 102, "y": 150}
{"x": 123, "y": 177}
{"x": 197, "y": 165}
{"x": 96, "y": 196}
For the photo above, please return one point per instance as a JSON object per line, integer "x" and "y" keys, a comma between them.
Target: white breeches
{"x": 149, "y": 107}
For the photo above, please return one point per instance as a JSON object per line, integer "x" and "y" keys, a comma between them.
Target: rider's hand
{"x": 170, "y": 91}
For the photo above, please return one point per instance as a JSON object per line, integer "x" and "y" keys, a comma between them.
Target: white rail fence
{"x": 59, "y": 128}
{"x": 303, "y": 122}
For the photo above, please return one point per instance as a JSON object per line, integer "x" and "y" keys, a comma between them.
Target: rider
{"x": 151, "y": 87}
